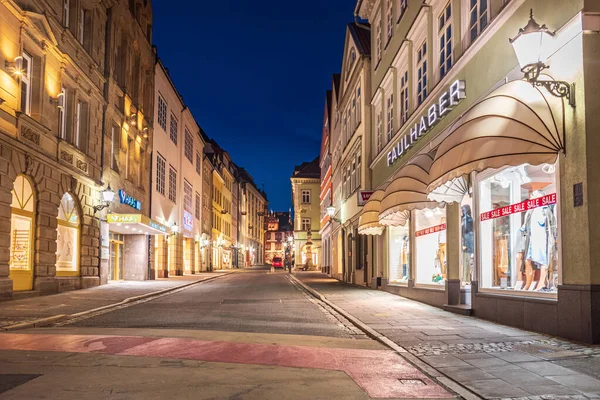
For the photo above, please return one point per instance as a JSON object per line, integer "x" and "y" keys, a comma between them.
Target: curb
{"x": 40, "y": 322}
{"x": 373, "y": 334}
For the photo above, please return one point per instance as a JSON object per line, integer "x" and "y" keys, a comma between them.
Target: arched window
{"x": 67, "y": 238}
{"x": 22, "y": 226}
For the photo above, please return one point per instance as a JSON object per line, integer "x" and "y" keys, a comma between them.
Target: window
{"x": 353, "y": 176}
{"x": 80, "y": 25}
{"x": 65, "y": 13}
{"x": 518, "y": 231}
{"x": 305, "y": 224}
{"x": 130, "y": 173}
{"x": 478, "y": 17}
{"x": 399, "y": 252}
{"x": 198, "y": 163}
{"x": 430, "y": 244}
{"x": 404, "y": 98}
{"x": 390, "y": 19}
{"x": 141, "y": 165}
{"x": 172, "y": 128}
{"x": 62, "y": 113}
{"x": 358, "y": 170}
{"x": 67, "y": 236}
{"x": 26, "y": 68}
{"x": 358, "y": 107}
{"x": 390, "y": 117}
{"x": 422, "y": 73}
{"x": 116, "y": 148}
{"x": 81, "y": 125}
{"x": 403, "y": 5}
{"x": 197, "y": 208}
{"x": 161, "y": 166}
{"x": 172, "y": 184}
{"x": 377, "y": 41}
{"x": 278, "y": 236}
{"x": 188, "y": 149}
{"x": 162, "y": 113}
{"x": 345, "y": 129}
{"x": 445, "y": 40}
{"x": 353, "y": 117}
{"x": 379, "y": 131}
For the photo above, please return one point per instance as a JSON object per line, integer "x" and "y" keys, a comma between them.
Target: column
{"x": 453, "y": 243}
{"x": 176, "y": 255}
{"x": 161, "y": 264}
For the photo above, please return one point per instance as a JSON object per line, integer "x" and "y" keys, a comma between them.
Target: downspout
{"x": 104, "y": 109}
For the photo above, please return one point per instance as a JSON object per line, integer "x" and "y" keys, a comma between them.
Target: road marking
{"x": 380, "y": 373}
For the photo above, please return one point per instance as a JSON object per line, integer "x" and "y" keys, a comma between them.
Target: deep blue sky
{"x": 254, "y": 75}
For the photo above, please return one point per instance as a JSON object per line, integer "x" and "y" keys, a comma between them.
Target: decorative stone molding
{"x": 28, "y": 164}
{"x": 65, "y": 156}
{"x": 30, "y": 135}
{"x": 82, "y": 166}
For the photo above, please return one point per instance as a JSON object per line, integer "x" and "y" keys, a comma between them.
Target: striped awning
{"x": 368, "y": 222}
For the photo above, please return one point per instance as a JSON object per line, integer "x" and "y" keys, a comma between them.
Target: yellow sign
{"x": 124, "y": 218}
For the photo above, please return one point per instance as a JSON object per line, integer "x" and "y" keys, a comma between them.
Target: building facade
{"x": 326, "y": 193}
{"x": 256, "y": 206}
{"x": 306, "y": 186}
{"x": 354, "y": 150}
{"x": 279, "y": 230}
{"x": 482, "y": 189}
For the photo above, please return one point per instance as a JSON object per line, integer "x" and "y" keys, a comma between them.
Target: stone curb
{"x": 36, "y": 323}
{"x": 432, "y": 372}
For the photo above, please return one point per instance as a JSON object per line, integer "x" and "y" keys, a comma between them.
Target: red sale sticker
{"x": 519, "y": 207}
{"x": 433, "y": 229}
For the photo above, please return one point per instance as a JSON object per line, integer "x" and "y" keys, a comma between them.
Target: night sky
{"x": 254, "y": 75}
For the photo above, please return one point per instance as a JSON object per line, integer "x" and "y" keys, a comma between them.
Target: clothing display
{"x": 467, "y": 242}
{"x": 404, "y": 257}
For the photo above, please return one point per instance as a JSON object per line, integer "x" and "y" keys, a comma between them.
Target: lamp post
{"x": 107, "y": 197}
{"x": 531, "y": 48}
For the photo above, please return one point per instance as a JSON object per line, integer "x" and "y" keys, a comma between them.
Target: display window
{"x": 467, "y": 241}
{"x": 399, "y": 252}
{"x": 67, "y": 238}
{"x": 519, "y": 232}
{"x": 430, "y": 246}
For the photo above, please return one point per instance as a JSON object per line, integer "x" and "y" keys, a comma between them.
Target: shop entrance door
{"x": 115, "y": 270}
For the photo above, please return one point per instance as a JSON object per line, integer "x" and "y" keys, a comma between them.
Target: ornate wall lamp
{"x": 15, "y": 67}
{"x": 107, "y": 197}
{"x": 531, "y": 47}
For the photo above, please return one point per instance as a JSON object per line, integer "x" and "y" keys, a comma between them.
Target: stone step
{"x": 462, "y": 309}
{"x": 25, "y": 294}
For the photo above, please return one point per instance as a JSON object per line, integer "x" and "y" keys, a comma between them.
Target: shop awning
{"x": 514, "y": 125}
{"x": 368, "y": 222}
{"x": 407, "y": 191}
{"x": 452, "y": 191}
{"x": 134, "y": 224}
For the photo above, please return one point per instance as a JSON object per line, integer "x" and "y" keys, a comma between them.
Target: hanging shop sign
{"x": 130, "y": 201}
{"x": 188, "y": 221}
{"x": 433, "y": 229}
{"x": 447, "y": 100}
{"x": 364, "y": 196}
{"x": 519, "y": 207}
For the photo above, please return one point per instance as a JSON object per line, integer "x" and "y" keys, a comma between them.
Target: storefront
{"x": 22, "y": 228}
{"x": 484, "y": 205}
{"x": 128, "y": 245}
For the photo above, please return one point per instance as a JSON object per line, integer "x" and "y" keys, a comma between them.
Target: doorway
{"x": 115, "y": 270}
{"x": 22, "y": 230}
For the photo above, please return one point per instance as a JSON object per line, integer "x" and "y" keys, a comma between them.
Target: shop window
{"x": 67, "y": 239}
{"x": 519, "y": 232}
{"x": 430, "y": 245}
{"x": 22, "y": 229}
{"x": 399, "y": 251}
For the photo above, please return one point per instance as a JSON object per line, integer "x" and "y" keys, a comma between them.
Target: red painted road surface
{"x": 378, "y": 372}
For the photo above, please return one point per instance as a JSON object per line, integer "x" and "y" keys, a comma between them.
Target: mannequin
{"x": 467, "y": 242}
{"x": 541, "y": 231}
{"x": 501, "y": 236}
{"x": 442, "y": 249}
{"x": 404, "y": 258}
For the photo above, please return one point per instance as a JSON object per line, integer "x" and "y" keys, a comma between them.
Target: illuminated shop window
{"x": 519, "y": 232}
{"x": 399, "y": 245}
{"x": 431, "y": 248}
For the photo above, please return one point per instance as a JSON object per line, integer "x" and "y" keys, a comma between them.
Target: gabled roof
{"x": 309, "y": 169}
{"x": 361, "y": 33}
{"x": 336, "y": 84}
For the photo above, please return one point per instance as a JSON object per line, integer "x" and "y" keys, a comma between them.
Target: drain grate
{"x": 414, "y": 382}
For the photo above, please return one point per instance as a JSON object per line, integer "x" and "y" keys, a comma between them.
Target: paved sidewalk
{"x": 25, "y": 310}
{"x": 491, "y": 360}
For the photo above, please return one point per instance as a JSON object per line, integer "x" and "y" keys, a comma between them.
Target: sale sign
{"x": 433, "y": 229}
{"x": 519, "y": 207}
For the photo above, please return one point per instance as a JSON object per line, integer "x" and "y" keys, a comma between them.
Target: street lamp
{"x": 107, "y": 197}
{"x": 331, "y": 214}
{"x": 531, "y": 48}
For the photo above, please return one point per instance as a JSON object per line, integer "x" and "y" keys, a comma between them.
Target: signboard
{"x": 130, "y": 201}
{"x": 433, "y": 229}
{"x": 435, "y": 113}
{"x": 156, "y": 225}
{"x": 188, "y": 221}
{"x": 519, "y": 207}
{"x": 124, "y": 218}
{"x": 364, "y": 196}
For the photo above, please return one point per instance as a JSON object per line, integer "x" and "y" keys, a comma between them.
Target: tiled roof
{"x": 308, "y": 170}
{"x": 361, "y": 33}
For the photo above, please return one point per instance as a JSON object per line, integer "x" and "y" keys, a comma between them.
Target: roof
{"x": 336, "y": 84}
{"x": 361, "y": 33}
{"x": 310, "y": 169}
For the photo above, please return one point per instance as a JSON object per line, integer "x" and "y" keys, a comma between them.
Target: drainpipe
{"x": 104, "y": 108}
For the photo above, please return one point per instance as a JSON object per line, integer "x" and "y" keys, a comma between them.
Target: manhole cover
{"x": 417, "y": 382}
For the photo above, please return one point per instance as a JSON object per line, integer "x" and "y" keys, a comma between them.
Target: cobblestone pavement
{"x": 491, "y": 360}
